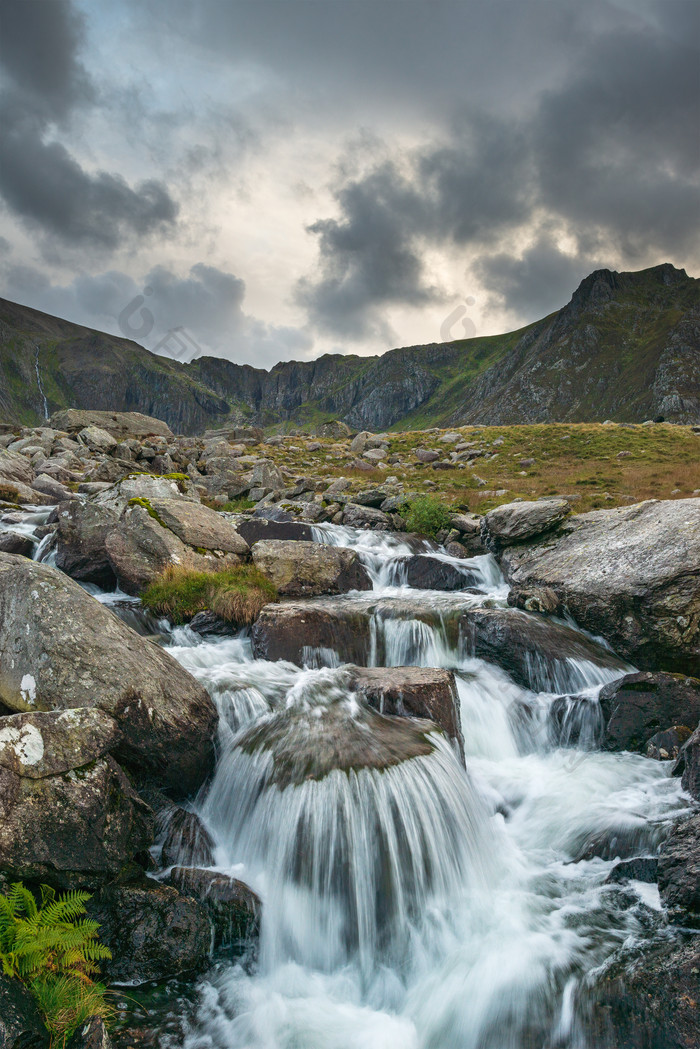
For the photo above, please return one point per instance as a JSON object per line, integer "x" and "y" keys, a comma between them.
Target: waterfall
{"x": 408, "y": 902}
{"x": 39, "y": 384}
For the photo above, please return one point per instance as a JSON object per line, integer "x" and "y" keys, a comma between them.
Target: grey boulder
{"x": 302, "y": 569}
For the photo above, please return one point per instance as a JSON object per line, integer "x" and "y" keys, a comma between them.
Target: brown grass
{"x": 237, "y": 594}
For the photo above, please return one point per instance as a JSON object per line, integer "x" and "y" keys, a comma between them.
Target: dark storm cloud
{"x": 613, "y": 153}
{"x": 39, "y": 178}
{"x": 537, "y": 282}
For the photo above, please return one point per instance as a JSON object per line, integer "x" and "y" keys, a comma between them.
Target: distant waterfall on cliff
{"x": 39, "y": 384}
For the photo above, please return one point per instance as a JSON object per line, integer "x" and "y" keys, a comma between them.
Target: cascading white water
{"x": 422, "y": 907}
{"x": 40, "y": 384}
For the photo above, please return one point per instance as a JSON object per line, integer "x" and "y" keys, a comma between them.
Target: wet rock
{"x": 208, "y": 623}
{"x": 417, "y": 692}
{"x": 365, "y": 517}
{"x": 233, "y": 908}
{"x": 628, "y": 574}
{"x": 120, "y": 424}
{"x": 76, "y": 828}
{"x": 21, "y": 1025}
{"x": 688, "y": 765}
{"x": 534, "y": 650}
{"x": 469, "y": 527}
{"x": 187, "y": 841}
{"x": 639, "y": 705}
{"x": 516, "y": 522}
{"x": 665, "y": 746}
{"x": 253, "y": 529}
{"x": 198, "y": 526}
{"x": 91, "y": 1035}
{"x": 287, "y": 631}
{"x": 153, "y": 931}
{"x": 304, "y": 746}
{"x": 80, "y": 542}
{"x": 61, "y": 649}
{"x": 679, "y": 873}
{"x": 430, "y": 573}
{"x": 575, "y": 721}
{"x": 641, "y": 868}
{"x": 300, "y": 569}
{"x": 14, "y": 543}
{"x": 535, "y": 599}
{"x": 651, "y": 1002}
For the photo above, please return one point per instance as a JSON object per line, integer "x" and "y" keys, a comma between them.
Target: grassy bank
{"x": 596, "y": 465}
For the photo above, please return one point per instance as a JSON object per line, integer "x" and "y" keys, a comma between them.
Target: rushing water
{"x": 425, "y": 905}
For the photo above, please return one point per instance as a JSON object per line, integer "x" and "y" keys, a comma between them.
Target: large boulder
{"x": 637, "y": 706}
{"x": 145, "y": 487}
{"x": 515, "y": 522}
{"x": 537, "y": 652}
{"x": 60, "y": 649}
{"x": 120, "y": 424}
{"x": 21, "y": 1026}
{"x": 293, "y": 631}
{"x": 233, "y": 908}
{"x": 79, "y": 827}
{"x": 187, "y": 841}
{"x": 679, "y": 873}
{"x": 152, "y": 930}
{"x": 629, "y": 574}
{"x": 431, "y": 573}
{"x": 80, "y": 542}
{"x": 302, "y": 746}
{"x": 300, "y": 569}
{"x": 417, "y": 692}
{"x": 198, "y": 526}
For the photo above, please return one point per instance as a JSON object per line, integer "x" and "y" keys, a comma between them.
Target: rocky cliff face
{"x": 626, "y": 347}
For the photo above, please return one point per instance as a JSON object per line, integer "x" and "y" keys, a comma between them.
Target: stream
{"x": 427, "y": 905}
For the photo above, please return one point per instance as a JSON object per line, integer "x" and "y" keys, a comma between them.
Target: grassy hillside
{"x": 626, "y": 347}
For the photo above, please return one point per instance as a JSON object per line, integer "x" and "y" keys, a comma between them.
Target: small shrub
{"x": 426, "y": 515}
{"x": 9, "y": 493}
{"x": 237, "y": 506}
{"x": 53, "y": 949}
{"x": 237, "y": 594}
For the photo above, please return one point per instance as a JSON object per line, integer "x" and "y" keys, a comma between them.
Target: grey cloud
{"x": 205, "y": 308}
{"x": 39, "y": 179}
{"x": 39, "y": 47}
{"x": 536, "y": 283}
{"x": 611, "y": 157}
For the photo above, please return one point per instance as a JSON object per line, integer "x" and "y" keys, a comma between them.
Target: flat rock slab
{"x": 631, "y": 575}
{"x": 119, "y": 424}
{"x": 639, "y": 705}
{"x": 301, "y": 569}
{"x": 198, "y": 526}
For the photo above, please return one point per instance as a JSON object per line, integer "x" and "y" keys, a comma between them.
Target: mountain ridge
{"x": 626, "y": 346}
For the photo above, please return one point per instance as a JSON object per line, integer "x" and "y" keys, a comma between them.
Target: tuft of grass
{"x": 9, "y": 493}
{"x": 237, "y": 593}
{"x": 237, "y": 506}
{"x": 426, "y": 515}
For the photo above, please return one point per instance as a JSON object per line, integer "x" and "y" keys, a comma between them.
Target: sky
{"x": 277, "y": 179}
